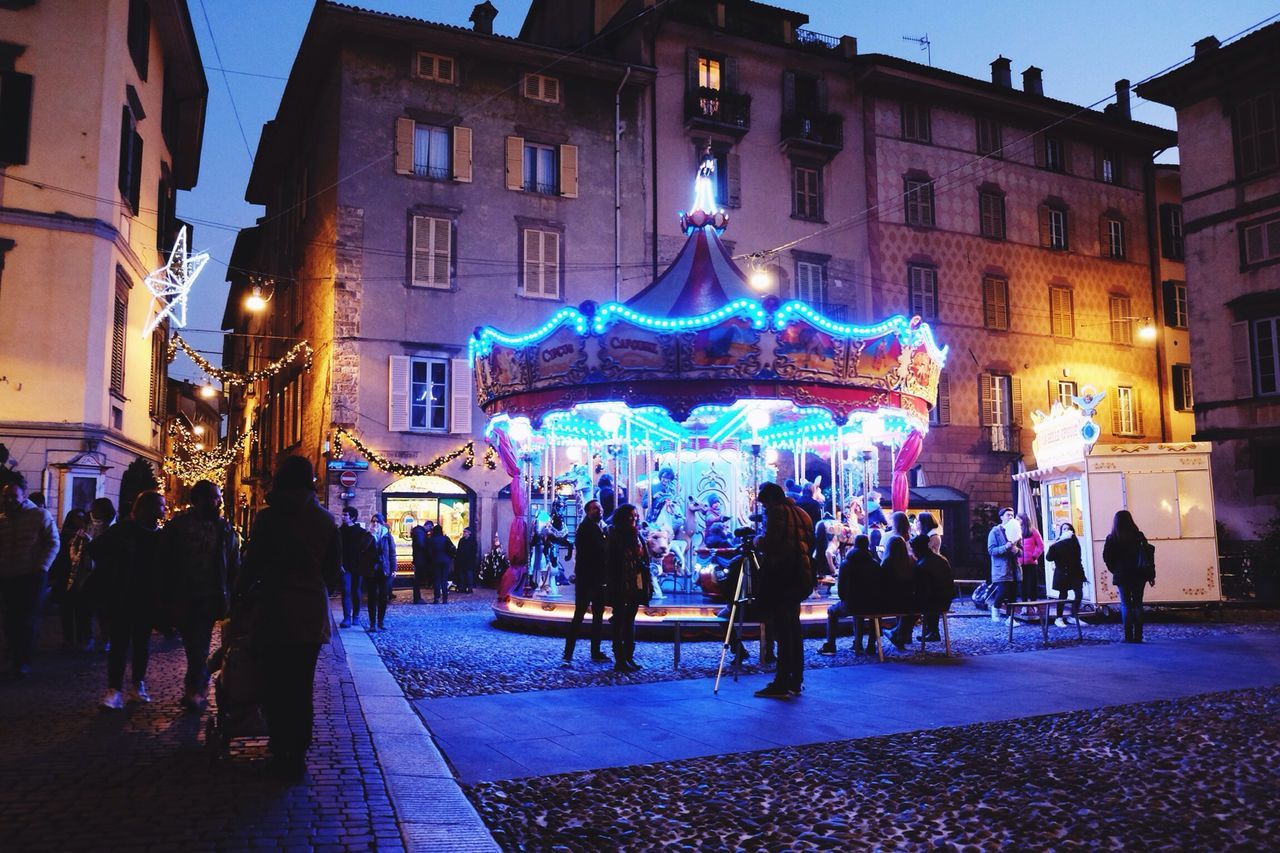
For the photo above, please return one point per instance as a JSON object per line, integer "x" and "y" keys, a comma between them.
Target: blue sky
{"x": 1083, "y": 47}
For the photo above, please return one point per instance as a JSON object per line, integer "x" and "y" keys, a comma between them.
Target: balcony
{"x": 816, "y": 42}
{"x": 813, "y": 131}
{"x": 717, "y": 110}
{"x": 1004, "y": 438}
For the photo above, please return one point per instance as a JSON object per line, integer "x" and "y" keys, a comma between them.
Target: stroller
{"x": 237, "y": 682}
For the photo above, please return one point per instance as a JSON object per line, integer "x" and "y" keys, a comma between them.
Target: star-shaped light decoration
{"x": 170, "y": 284}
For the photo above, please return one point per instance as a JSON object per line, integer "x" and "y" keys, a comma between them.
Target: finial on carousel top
{"x": 705, "y": 211}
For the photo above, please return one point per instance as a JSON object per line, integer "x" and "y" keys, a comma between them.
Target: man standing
{"x": 466, "y": 560}
{"x": 28, "y": 544}
{"x": 440, "y": 553}
{"x": 357, "y": 564}
{"x": 418, "y": 536}
{"x": 589, "y": 583}
{"x": 786, "y": 580}
{"x": 202, "y": 559}
{"x": 1004, "y": 563}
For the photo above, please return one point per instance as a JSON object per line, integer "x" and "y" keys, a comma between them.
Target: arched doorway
{"x": 413, "y": 500}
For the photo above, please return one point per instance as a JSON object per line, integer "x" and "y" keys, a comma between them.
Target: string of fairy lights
{"x": 301, "y": 350}
{"x": 191, "y": 463}
{"x": 466, "y": 452}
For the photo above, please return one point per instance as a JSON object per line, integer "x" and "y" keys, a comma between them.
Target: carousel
{"x": 683, "y": 400}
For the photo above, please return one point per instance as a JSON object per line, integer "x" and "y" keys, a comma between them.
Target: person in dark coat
{"x": 1120, "y": 553}
{"x": 899, "y": 587}
{"x": 358, "y": 556}
{"x": 859, "y": 589}
{"x": 934, "y": 584}
{"x": 786, "y": 580}
{"x": 418, "y": 535}
{"x": 294, "y": 557}
{"x": 466, "y": 560}
{"x": 440, "y": 555}
{"x": 608, "y": 498}
{"x": 810, "y": 503}
{"x": 630, "y": 586}
{"x": 1068, "y": 571}
{"x": 588, "y": 583}
{"x": 126, "y": 579}
{"x": 75, "y": 618}
{"x": 384, "y": 572}
{"x": 1004, "y": 563}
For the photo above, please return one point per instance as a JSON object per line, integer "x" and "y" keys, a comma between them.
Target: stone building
{"x": 421, "y": 180}
{"x": 102, "y": 110}
{"x": 1226, "y": 99}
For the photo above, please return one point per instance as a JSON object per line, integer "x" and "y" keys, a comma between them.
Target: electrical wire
{"x": 227, "y": 81}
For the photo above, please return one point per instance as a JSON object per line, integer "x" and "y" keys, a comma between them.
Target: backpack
{"x": 1146, "y": 562}
{"x": 981, "y": 594}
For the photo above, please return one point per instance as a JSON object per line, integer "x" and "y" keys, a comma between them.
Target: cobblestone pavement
{"x": 1192, "y": 774}
{"x": 438, "y": 650}
{"x": 73, "y": 777}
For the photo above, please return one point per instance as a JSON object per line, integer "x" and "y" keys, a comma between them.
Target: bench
{"x": 1041, "y": 608}
{"x": 875, "y": 618}
{"x": 678, "y": 624}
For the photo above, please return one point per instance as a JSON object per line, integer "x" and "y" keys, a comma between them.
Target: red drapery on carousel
{"x": 517, "y": 536}
{"x": 908, "y": 453}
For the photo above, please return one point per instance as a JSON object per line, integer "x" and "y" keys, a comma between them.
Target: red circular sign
{"x": 347, "y": 479}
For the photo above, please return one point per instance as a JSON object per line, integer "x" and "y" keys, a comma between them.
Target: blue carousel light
{"x": 486, "y": 337}
{"x": 749, "y": 308}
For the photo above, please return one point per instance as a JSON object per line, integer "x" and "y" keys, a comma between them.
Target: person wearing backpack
{"x": 1131, "y": 560}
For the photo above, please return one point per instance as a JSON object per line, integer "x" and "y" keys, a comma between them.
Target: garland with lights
{"x": 229, "y": 377}
{"x": 190, "y": 465}
{"x": 467, "y": 452}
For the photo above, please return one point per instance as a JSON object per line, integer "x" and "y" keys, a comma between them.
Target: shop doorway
{"x": 412, "y": 500}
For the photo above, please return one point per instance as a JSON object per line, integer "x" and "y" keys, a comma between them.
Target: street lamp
{"x": 259, "y": 295}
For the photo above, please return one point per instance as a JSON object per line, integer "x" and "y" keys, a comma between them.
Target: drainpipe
{"x": 1157, "y": 288}
{"x": 617, "y": 188}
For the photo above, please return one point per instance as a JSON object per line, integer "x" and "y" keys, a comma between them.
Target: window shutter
{"x": 15, "y": 117}
{"x": 515, "y": 163}
{"x": 1104, "y": 237}
{"x": 404, "y": 146}
{"x": 531, "y": 87}
{"x": 550, "y": 263}
{"x": 1137, "y": 413}
{"x": 691, "y": 67}
{"x": 730, "y": 82}
{"x": 1117, "y": 422}
{"x": 398, "y": 394}
{"x": 1170, "y": 303}
{"x": 1179, "y": 398}
{"x": 118, "y": 328}
{"x": 733, "y": 181}
{"x": 569, "y": 171}
{"x": 1241, "y": 363}
{"x": 985, "y": 394}
{"x": 440, "y": 251}
{"x": 459, "y": 395}
{"x": 135, "y": 173}
{"x": 944, "y": 399}
{"x": 532, "y": 262}
{"x": 1099, "y": 155}
{"x": 822, "y": 95}
{"x": 462, "y": 154}
{"x": 551, "y": 89}
{"x": 788, "y": 92}
{"x": 1015, "y": 393}
{"x": 444, "y": 69}
{"x": 1045, "y": 234}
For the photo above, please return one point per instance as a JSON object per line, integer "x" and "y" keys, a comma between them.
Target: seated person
{"x": 899, "y": 589}
{"x": 859, "y": 591}
{"x": 934, "y": 586}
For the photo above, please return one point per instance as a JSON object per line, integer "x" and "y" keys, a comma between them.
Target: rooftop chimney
{"x": 1206, "y": 45}
{"x": 482, "y": 16}
{"x": 1122, "y": 99}
{"x": 1002, "y": 72}
{"x": 1032, "y": 84}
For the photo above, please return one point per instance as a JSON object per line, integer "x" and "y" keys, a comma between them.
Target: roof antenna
{"x": 924, "y": 43}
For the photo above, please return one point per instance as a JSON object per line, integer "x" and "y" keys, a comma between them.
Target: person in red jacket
{"x": 1031, "y": 560}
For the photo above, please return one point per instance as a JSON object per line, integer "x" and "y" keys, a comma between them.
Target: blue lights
{"x": 748, "y": 308}
{"x": 485, "y": 337}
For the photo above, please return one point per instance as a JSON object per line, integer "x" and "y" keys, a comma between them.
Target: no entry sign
{"x": 347, "y": 479}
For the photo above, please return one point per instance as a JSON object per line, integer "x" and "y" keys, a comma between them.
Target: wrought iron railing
{"x": 1004, "y": 438}
{"x": 809, "y": 38}
{"x": 825, "y": 129}
{"x": 718, "y": 106}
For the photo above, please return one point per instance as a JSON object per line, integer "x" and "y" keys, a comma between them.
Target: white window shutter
{"x": 569, "y": 171}
{"x": 1241, "y": 363}
{"x": 550, "y": 263}
{"x": 462, "y": 154}
{"x": 532, "y": 262}
{"x": 459, "y": 396}
{"x": 440, "y": 251}
{"x": 398, "y": 394}
{"x": 404, "y": 145}
{"x": 551, "y": 90}
{"x": 515, "y": 163}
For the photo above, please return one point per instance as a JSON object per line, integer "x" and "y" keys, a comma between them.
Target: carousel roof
{"x": 701, "y": 279}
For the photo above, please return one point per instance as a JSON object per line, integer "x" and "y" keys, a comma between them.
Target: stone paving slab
{"x": 556, "y": 731}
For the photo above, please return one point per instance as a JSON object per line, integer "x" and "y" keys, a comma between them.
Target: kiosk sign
{"x": 1062, "y": 437}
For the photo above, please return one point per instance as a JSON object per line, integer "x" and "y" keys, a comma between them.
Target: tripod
{"x": 750, "y": 564}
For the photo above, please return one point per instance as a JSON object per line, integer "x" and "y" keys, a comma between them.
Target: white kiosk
{"x": 1166, "y": 486}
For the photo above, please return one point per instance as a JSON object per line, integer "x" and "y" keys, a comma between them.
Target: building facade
{"x": 1226, "y": 99}
{"x": 101, "y": 117}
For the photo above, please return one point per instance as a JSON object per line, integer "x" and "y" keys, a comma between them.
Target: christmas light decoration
{"x": 170, "y": 284}
{"x": 466, "y": 452}
{"x": 191, "y": 463}
{"x": 229, "y": 377}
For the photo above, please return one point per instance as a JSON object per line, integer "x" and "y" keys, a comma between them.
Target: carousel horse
{"x": 695, "y": 523}
{"x": 546, "y": 563}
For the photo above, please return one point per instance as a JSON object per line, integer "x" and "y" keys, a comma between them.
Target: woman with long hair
{"x": 1031, "y": 559}
{"x": 1068, "y": 571}
{"x": 1120, "y": 553}
{"x": 630, "y": 584}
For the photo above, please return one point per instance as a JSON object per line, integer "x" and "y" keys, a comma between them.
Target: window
{"x": 995, "y": 303}
{"x": 991, "y": 207}
{"x": 996, "y": 410}
{"x": 541, "y": 268}
{"x": 432, "y": 252}
{"x": 540, "y": 173}
{"x": 428, "y": 388}
{"x": 729, "y": 176}
{"x": 289, "y": 425}
{"x": 1053, "y": 154}
{"x": 1109, "y": 167}
{"x": 159, "y": 373}
{"x": 1121, "y": 321}
{"x": 989, "y": 137}
{"x": 119, "y": 330}
{"x": 806, "y": 182}
{"x": 434, "y": 67}
{"x": 1257, "y": 149}
{"x": 1183, "y": 397}
{"x": 540, "y": 87}
{"x": 1126, "y": 414}
{"x": 1171, "y": 245}
{"x": 1054, "y": 227}
{"x": 166, "y": 219}
{"x": 1261, "y": 241}
{"x": 1175, "y": 304}
{"x": 915, "y": 122}
{"x": 922, "y": 287}
{"x": 430, "y": 151}
{"x": 1112, "y": 238}
{"x": 811, "y": 282}
{"x": 1000, "y": 409}
{"x": 940, "y": 414}
{"x": 918, "y": 196}
{"x": 1064, "y": 393}
{"x": 1266, "y": 356}
{"x": 15, "y": 117}
{"x": 130, "y": 174}
{"x": 139, "y": 35}
{"x": 1062, "y": 323}
{"x": 708, "y": 77}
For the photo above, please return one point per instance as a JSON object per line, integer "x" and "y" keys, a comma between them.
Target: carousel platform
{"x": 539, "y": 613}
